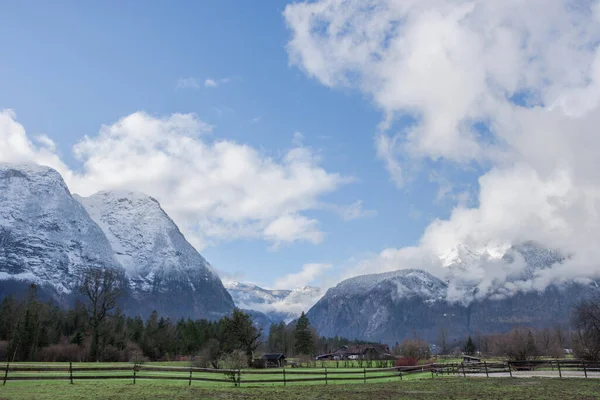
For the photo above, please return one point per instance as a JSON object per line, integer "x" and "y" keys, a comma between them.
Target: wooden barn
{"x": 274, "y": 360}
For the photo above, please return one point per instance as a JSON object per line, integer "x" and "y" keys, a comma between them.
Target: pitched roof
{"x": 362, "y": 348}
{"x": 273, "y": 356}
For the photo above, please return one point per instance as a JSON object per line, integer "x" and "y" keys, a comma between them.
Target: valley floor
{"x": 438, "y": 389}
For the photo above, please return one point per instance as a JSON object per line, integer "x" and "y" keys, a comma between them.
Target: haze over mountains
{"x": 48, "y": 236}
{"x": 276, "y": 305}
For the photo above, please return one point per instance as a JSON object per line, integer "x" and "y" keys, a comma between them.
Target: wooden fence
{"x": 488, "y": 368}
{"x": 556, "y": 365}
{"x": 22, "y": 372}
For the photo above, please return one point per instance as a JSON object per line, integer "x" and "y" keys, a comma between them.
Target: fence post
{"x": 486, "y": 370}
{"x": 134, "y": 372}
{"x": 364, "y": 375}
{"x": 283, "y": 376}
{"x": 71, "y": 372}
{"x": 559, "y": 371}
{"x": 463, "y": 367}
{"x": 5, "y": 375}
{"x": 509, "y": 369}
{"x": 431, "y": 371}
{"x": 584, "y": 369}
{"x": 400, "y": 375}
{"x": 239, "y": 378}
{"x": 326, "y": 376}
{"x": 191, "y": 369}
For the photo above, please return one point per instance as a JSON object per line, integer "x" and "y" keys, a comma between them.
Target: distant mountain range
{"x": 276, "y": 305}
{"x": 395, "y": 305}
{"x": 49, "y": 236}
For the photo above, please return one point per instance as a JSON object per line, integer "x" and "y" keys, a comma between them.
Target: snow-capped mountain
{"x": 395, "y": 305}
{"x": 245, "y": 294}
{"x": 47, "y": 237}
{"x": 159, "y": 262}
{"x": 162, "y": 267}
{"x": 276, "y": 305}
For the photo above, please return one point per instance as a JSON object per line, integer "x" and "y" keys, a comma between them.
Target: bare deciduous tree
{"x": 102, "y": 289}
{"x": 586, "y": 322}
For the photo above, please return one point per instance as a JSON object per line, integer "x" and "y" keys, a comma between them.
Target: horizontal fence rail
{"x": 237, "y": 377}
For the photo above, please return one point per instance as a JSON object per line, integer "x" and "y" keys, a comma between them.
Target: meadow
{"x": 440, "y": 388}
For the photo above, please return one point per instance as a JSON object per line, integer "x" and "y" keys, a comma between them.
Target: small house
{"x": 471, "y": 359}
{"x": 274, "y": 360}
{"x": 374, "y": 351}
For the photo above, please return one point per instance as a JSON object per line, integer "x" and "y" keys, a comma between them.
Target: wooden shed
{"x": 274, "y": 360}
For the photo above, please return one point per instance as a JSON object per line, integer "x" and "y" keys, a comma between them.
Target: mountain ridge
{"x": 124, "y": 230}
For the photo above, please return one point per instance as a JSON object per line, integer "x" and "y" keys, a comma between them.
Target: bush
{"x": 137, "y": 357}
{"x": 414, "y": 348}
{"x": 237, "y": 359}
{"x": 61, "y": 352}
{"x": 209, "y": 355}
{"x": 110, "y": 354}
{"x": 406, "y": 362}
{"x": 517, "y": 345}
{"x": 259, "y": 363}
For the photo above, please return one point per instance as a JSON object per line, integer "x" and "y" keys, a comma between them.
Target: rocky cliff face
{"x": 165, "y": 272}
{"x": 47, "y": 237}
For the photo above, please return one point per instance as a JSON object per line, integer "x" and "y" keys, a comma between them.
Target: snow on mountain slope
{"x": 245, "y": 294}
{"x": 164, "y": 270}
{"x": 489, "y": 270}
{"x": 407, "y": 283}
{"x": 46, "y": 236}
{"x": 277, "y": 305}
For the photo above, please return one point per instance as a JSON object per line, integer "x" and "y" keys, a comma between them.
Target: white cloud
{"x": 15, "y": 146}
{"x": 214, "y": 190}
{"x": 213, "y": 83}
{"x": 386, "y": 151}
{"x": 187, "y": 83}
{"x": 308, "y": 274}
{"x": 528, "y": 70}
{"x": 352, "y": 211}
{"x": 298, "y": 139}
{"x": 290, "y": 228}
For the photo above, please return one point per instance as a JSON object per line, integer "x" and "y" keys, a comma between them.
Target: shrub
{"x": 110, "y": 354}
{"x": 517, "y": 345}
{"x": 259, "y": 363}
{"x": 406, "y": 362}
{"x": 414, "y": 348}
{"x": 137, "y": 357}
{"x": 237, "y": 359}
{"x": 209, "y": 355}
{"x": 60, "y": 353}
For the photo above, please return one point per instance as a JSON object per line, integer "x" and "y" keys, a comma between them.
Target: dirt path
{"x": 540, "y": 374}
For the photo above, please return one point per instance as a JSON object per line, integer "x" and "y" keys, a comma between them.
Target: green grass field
{"x": 415, "y": 389}
{"x": 293, "y": 376}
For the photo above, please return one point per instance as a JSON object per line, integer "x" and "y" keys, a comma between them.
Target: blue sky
{"x": 452, "y": 90}
{"x": 70, "y": 67}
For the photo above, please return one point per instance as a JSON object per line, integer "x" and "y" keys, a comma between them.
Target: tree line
{"x": 96, "y": 329}
{"x": 581, "y": 338}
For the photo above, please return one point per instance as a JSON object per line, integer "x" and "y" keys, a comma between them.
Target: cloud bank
{"x": 512, "y": 87}
{"x": 214, "y": 189}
